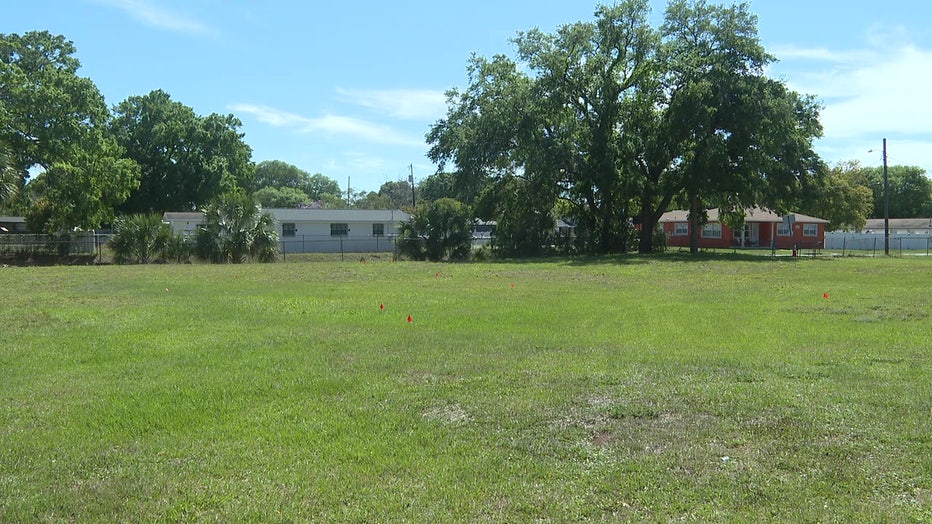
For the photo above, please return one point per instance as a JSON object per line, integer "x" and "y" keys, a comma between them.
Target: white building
{"x": 900, "y": 226}
{"x": 320, "y": 230}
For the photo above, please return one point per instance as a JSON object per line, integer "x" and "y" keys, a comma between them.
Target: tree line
{"x": 604, "y": 124}
{"x": 68, "y": 161}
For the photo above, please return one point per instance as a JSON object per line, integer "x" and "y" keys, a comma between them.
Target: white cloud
{"x": 868, "y": 94}
{"x": 363, "y": 162}
{"x": 152, "y": 14}
{"x": 406, "y": 104}
{"x": 270, "y": 116}
{"x": 883, "y": 95}
{"x": 329, "y": 125}
{"x": 824, "y": 54}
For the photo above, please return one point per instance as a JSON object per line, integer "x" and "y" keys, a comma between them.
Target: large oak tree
{"x": 621, "y": 120}
{"x": 54, "y": 125}
{"x": 719, "y": 133}
{"x": 186, "y": 159}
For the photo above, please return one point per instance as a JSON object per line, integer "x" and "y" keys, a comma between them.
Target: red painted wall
{"x": 797, "y": 239}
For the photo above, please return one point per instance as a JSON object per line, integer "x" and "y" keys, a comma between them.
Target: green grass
{"x": 619, "y": 389}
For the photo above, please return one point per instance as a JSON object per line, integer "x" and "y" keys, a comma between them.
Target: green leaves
{"x": 620, "y": 119}
{"x": 139, "y": 239}
{"x": 83, "y": 190}
{"x": 236, "y": 230}
{"x": 45, "y": 107}
{"x": 439, "y": 230}
{"x": 10, "y": 180}
{"x": 910, "y": 191}
{"x": 186, "y": 159}
{"x": 50, "y": 118}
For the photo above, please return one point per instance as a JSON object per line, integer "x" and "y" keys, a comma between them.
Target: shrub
{"x": 139, "y": 239}
{"x": 236, "y": 230}
{"x": 178, "y": 248}
{"x": 439, "y": 230}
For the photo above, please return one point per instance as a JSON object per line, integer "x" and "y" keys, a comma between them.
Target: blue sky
{"x": 348, "y": 89}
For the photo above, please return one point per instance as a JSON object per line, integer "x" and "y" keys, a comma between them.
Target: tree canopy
{"x": 282, "y": 197}
{"x": 9, "y": 179}
{"x": 280, "y": 175}
{"x": 398, "y": 194}
{"x": 621, "y": 119}
{"x": 54, "y": 122}
{"x": 186, "y": 159}
{"x": 844, "y": 198}
{"x": 910, "y": 191}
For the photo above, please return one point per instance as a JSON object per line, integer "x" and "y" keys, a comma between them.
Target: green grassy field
{"x": 726, "y": 389}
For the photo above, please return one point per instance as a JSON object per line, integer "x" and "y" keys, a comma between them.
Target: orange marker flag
{"x": 381, "y": 307}
{"x": 824, "y": 295}
{"x": 410, "y": 320}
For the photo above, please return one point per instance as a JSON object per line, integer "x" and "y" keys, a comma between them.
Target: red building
{"x": 761, "y": 228}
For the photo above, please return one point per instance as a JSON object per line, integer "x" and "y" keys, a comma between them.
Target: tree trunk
{"x": 694, "y": 212}
{"x": 646, "y": 235}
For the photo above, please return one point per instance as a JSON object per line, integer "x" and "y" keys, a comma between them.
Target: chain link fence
{"x": 304, "y": 244}
{"x": 871, "y": 244}
{"x": 82, "y": 247}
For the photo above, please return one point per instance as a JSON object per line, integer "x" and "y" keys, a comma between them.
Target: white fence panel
{"x": 840, "y": 241}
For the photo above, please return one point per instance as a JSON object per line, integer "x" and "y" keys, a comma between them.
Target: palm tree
{"x": 236, "y": 230}
{"x": 137, "y": 239}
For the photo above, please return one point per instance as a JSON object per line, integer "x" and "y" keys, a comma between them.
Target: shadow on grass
{"x": 41, "y": 259}
{"x": 683, "y": 256}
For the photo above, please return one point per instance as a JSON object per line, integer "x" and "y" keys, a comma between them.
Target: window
{"x": 339, "y": 230}
{"x": 680, "y": 229}
{"x": 378, "y": 230}
{"x": 712, "y": 230}
{"x": 783, "y": 230}
{"x": 288, "y": 230}
{"x": 810, "y": 230}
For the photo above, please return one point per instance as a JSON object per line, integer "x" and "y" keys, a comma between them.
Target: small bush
{"x": 236, "y": 230}
{"x": 178, "y": 249}
{"x": 139, "y": 239}
{"x": 439, "y": 230}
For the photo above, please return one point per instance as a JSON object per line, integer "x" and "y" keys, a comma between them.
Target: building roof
{"x": 900, "y": 223}
{"x": 806, "y": 219}
{"x": 17, "y": 223}
{"x": 338, "y": 215}
{"x": 750, "y": 216}
{"x": 189, "y": 215}
{"x": 311, "y": 215}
